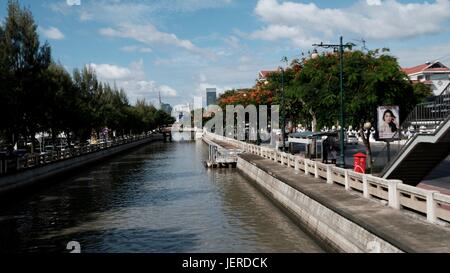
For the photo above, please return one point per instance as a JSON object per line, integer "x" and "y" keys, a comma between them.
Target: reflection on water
{"x": 159, "y": 198}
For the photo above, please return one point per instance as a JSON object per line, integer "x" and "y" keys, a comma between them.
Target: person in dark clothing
{"x": 325, "y": 147}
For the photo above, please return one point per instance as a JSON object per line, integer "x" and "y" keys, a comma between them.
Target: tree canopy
{"x": 312, "y": 89}
{"x": 39, "y": 95}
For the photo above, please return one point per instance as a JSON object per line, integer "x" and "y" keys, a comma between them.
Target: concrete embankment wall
{"x": 11, "y": 184}
{"x": 335, "y": 231}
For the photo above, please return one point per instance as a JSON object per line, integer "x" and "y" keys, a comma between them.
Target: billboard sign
{"x": 388, "y": 125}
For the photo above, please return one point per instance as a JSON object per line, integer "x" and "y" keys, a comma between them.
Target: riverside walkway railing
{"x": 433, "y": 205}
{"x": 17, "y": 164}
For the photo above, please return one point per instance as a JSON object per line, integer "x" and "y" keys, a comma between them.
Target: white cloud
{"x": 241, "y": 73}
{"x": 111, "y": 72}
{"x": 373, "y": 2}
{"x": 233, "y": 42}
{"x": 148, "y": 34}
{"x": 73, "y": 2}
{"x": 275, "y": 32}
{"x": 52, "y": 33}
{"x": 413, "y": 56}
{"x": 136, "y": 49}
{"x": 114, "y": 11}
{"x": 133, "y": 80}
{"x": 167, "y": 91}
{"x": 371, "y": 19}
{"x": 202, "y": 77}
{"x": 191, "y": 5}
{"x": 86, "y": 15}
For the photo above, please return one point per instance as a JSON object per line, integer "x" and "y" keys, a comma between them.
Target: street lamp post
{"x": 340, "y": 46}
{"x": 283, "y": 119}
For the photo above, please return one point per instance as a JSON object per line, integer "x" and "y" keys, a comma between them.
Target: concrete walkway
{"x": 224, "y": 144}
{"x": 396, "y": 227}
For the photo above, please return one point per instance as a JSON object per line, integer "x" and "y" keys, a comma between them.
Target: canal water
{"x": 158, "y": 198}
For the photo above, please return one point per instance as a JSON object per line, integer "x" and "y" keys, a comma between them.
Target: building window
{"x": 438, "y": 77}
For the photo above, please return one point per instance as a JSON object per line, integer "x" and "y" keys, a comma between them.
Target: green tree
{"x": 5, "y": 81}
{"x": 61, "y": 102}
{"x": 87, "y": 85}
{"x": 39, "y": 95}
{"x": 23, "y": 60}
{"x": 163, "y": 119}
{"x": 422, "y": 91}
{"x": 370, "y": 80}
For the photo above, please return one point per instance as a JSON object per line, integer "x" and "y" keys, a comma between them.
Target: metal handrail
{"x": 430, "y": 115}
{"x": 410, "y": 141}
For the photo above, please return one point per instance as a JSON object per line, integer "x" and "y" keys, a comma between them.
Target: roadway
{"x": 438, "y": 179}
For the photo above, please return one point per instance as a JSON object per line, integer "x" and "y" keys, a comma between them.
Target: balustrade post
{"x": 394, "y": 194}
{"x": 347, "y": 181}
{"x": 329, "y": 174}
{"x": 365, "y": 186}
{"x": 316, "y": 170}
{"x": 431, "y": 207}
{"x": 296, "y": 164}
{"x": 306, "y": 167}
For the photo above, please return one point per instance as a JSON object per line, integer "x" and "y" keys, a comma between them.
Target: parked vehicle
{"x": 20, "y": 152}
{"x": 352, "y": 140}
{"x": 48, "y": 149}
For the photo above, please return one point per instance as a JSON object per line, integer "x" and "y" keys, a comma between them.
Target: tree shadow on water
{"x": 167, "y": 240}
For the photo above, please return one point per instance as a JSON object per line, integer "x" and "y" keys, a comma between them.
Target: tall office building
{"x": 166, "y": 108}
{"x": 211, "y": 96}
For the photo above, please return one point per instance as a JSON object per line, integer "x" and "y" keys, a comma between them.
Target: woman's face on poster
{"x": 388, "y": 118}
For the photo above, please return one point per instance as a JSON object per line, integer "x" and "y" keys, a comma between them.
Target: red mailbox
{"x": 360, "y": 163}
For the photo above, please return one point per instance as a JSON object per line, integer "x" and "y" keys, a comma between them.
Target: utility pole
{"x": 283, "y": 106}
{"x": 283, "y": 117}
{"x": 340, "y": 46}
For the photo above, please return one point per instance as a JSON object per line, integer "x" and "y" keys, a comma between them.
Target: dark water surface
{"x": 159, "y": 198}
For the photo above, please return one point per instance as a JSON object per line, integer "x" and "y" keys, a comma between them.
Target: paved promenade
{"x": 401, "y": 230}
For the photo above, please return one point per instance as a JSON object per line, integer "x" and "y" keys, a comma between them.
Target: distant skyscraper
{"x": 211, "y": 96}
{"x": 166, "y": 108}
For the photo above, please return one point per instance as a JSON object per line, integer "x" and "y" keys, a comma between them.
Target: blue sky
{"x": 181, "y": 47}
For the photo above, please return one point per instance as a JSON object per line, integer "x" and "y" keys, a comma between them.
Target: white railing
{"x": 14, "y": 165}
{"x": 432, "y": 204}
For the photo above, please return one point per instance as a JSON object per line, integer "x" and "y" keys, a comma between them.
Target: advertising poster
{"x": 388, "y": 122}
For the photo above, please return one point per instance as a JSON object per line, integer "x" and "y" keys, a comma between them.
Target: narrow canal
{"x": 159, "y": 198}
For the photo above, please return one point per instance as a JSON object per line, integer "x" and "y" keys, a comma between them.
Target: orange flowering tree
{"x": 254, "y": 96}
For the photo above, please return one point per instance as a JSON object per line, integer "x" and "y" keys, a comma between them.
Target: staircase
{"x": 422, "y": 142}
